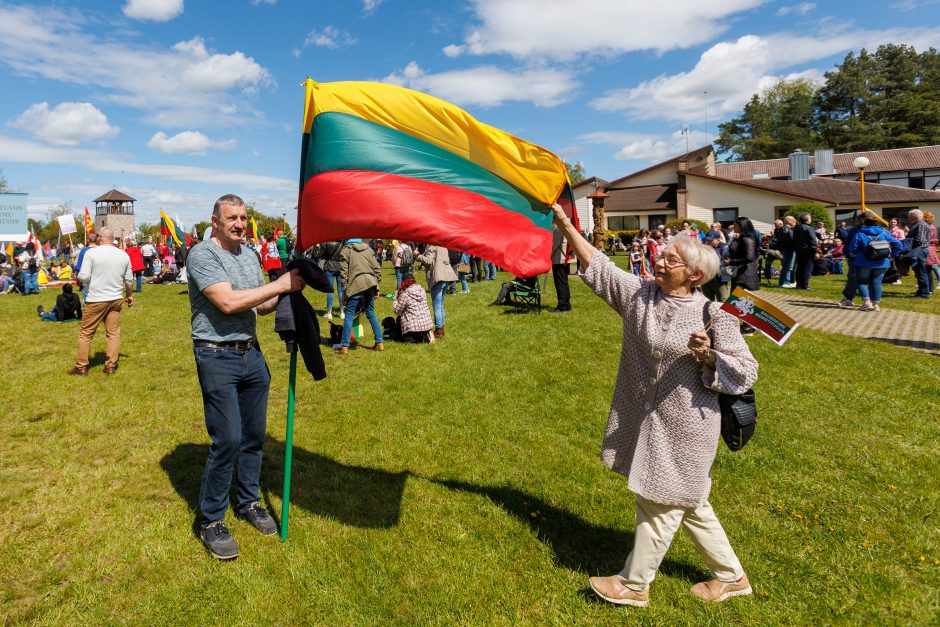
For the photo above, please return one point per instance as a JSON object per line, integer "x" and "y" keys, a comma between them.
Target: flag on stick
{"x": 383, "y": 161}
{"x": 89, "y": 225}
{"x": 760, "y": 314}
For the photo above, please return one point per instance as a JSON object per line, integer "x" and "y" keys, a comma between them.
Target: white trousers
{"x": 656, "y": 524}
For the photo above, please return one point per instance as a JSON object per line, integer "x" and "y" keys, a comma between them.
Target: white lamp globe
{"x": 861, "y": 162}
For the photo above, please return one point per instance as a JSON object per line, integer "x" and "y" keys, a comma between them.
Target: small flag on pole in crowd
{"x": 89, "y": 225}
{"x": 760, "y": 314}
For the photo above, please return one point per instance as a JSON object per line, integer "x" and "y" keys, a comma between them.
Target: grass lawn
{"x": 453, "y": 483}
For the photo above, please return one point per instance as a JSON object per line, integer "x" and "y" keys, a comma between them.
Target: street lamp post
{"x": 861, "y": 163}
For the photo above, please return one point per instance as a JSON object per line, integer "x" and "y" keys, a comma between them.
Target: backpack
{"x": 33, "y": 266}
{"x": 407, "y": 257}
{"x": 877, "y": 249}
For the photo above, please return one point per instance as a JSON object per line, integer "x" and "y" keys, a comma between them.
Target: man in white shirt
{"x": 148, "y": 251}
{"x": 106, "y": 272}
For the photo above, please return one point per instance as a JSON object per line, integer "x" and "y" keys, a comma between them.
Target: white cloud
{"x": 68, "y": 124}
{"x": 647, "y": 147}
{"x": 187, "y": 143}
{"x": 329, "y": 37}
{"x": 176, "y": 87}
{"x": 798, "y": 9}
{"x": 153, "y": 10}
{"x": 542, "y": 28}
{"x": 258, "y": 2}
{"x": 23, "y": 151}
{"x": 490, "y": 86}
{"x": 369, "y": 6}
{"x": 732, "y": 71}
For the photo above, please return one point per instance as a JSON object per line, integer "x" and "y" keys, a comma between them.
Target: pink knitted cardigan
{"x": 664, "y": 422}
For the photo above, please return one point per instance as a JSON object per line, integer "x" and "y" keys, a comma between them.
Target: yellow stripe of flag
{"x": 530, "y": 168}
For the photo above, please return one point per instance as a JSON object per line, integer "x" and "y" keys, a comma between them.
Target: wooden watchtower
{"x": 115, "y": 210}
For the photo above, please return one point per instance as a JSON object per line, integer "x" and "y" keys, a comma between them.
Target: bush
{"x": 677, "y": 224}
{"x": 627, "y": 236}
{"x": 818, "y": 211}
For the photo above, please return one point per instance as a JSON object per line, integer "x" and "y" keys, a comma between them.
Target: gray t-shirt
{"x": 208, "y": 264}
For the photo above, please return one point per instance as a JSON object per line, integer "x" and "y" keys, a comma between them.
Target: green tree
{"x": 772, "y": 124}
{"x": 818, "y": 211}
{"x": 267, "y": 223}
{"x": 575, "y": 172}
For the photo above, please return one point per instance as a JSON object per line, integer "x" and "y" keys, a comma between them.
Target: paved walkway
{"x": 919, "y": 331}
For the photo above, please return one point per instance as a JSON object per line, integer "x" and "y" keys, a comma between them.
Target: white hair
{"x": 697, "y": 256}
{"x": 917, "y": 214}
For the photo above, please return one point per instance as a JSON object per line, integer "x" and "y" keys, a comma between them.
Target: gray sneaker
{"x": 255, "y": 515}
{"x": 219, "y": 541}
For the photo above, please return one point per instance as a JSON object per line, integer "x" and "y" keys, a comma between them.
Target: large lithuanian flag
{"x": 379, "y": 160}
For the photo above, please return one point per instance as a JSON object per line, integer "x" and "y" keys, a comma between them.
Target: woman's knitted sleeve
{"x": 614, "y": 285}
{"x": 735, "y": 369}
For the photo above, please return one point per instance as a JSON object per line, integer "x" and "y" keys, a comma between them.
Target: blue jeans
{"x": 368, "y": 305}
{"x": 851, "y": 286}
{"x": 235, "y": 388}
{"x": 869, "y": 282}
{"x": 335, "y": 279}
{"x": 920, "y": 273}
{"x": 30, "y": 282}
{"x": 139, "y": 277}
{"x": 400, "y": 274}
{"x": 463, "y": 281}
{"x": 490, "y": 269}
{"x": 438, "y": 290}
{"x": 786, "y": 267}
{"x": 5, "y": 284}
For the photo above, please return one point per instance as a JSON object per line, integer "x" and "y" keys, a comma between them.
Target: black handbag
{"x": 738, "y": 411}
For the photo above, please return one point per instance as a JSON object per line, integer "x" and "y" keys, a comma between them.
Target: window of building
{"x": 896, "y": 212}
{"x": 657, "y": 220}
{"x": 846, "y": 215}
{"x": 726, "y": 215}
{"x": 623, "y": 223}
{"x": 781, "y": 210}
{"x": 916, "y": 181}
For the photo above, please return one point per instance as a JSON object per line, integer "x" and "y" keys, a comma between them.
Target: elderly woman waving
{"x": 664, "y": 421}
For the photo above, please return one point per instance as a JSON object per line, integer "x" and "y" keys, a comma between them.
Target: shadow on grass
{"x": 351, "y": 495}
{"x": 934, "y": 347}
{"x": 577, "y": 544}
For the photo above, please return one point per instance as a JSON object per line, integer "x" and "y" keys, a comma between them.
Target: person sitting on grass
{"x": 665, "y": 421}
{"x": 67, "y": 307}
{"x": 166, "y": 274}
{"x": 414, "y": 323}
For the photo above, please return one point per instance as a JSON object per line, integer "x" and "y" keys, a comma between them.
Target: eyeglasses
{"x": 670, "y": 261}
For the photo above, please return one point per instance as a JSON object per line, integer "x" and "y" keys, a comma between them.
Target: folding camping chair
{"x": 527, "y": 295}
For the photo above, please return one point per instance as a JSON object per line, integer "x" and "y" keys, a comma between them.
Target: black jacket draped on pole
{"x": 296, "y": 321}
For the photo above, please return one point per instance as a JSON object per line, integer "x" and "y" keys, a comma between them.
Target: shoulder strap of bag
{"x": 706, "y": 316}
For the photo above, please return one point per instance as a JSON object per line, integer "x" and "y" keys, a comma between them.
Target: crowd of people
{"x": 795, "y": 251}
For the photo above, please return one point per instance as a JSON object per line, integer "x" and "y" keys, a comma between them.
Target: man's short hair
{"x": 228, "y": 199}
{"x": 917, "y": 214}
{"x": 806, "y": 218}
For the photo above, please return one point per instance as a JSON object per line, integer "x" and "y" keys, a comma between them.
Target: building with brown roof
{"x": 696, "y": 187}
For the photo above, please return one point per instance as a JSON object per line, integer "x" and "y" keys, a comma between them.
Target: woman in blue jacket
{"x": 870, "y": 268}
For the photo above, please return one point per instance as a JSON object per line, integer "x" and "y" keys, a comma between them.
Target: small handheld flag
{"x": 89, "y": 225}
{"x": 760, "y": 314}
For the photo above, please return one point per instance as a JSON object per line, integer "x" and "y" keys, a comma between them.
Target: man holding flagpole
{"x": 227, "y": 292}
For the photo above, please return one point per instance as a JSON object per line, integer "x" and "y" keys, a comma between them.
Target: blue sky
{"x": 177, "y": 102}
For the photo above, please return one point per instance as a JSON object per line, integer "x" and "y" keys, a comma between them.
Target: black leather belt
{"x": 238, "y": 346}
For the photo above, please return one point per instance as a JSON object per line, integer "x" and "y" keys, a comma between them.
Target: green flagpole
{"x": 288, "y": 443}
